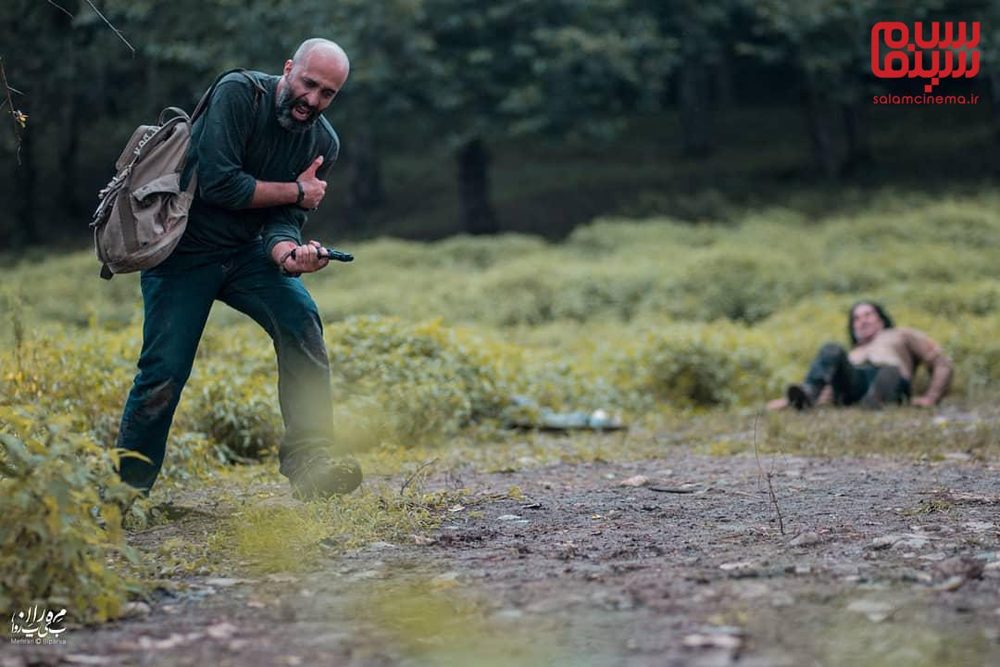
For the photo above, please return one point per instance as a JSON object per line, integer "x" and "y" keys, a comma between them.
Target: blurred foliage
{"x": 431, "y": 76}
{"x": 62, "y": 507}
{"x": 649, "y": 319}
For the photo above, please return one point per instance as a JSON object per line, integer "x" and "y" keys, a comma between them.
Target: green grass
{"x": 684, "y": 329}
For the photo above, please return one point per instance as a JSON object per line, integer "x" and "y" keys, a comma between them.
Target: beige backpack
{"x": 143, "y": 212}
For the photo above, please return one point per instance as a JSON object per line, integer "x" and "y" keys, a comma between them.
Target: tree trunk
{"x": 365, "y": 192}
{"x": 859, "y": 150}
{"x": 821, "y": 132}
{"x": 69, "y": 156}
{"x": 722, "y": 83}
{"x": 695, "y": 107}
{"x": 995, "y": 94}
{"x": 26, "y": 230}
{"x": 475, "y": 210}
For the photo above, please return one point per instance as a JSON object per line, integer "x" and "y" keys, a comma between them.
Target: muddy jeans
{"x": 177, "y": 297}
{"x": 850, "y": 383}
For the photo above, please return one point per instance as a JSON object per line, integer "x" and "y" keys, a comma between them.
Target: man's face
{"x": 866, "y": 323}
{"x": 309, "y": 88}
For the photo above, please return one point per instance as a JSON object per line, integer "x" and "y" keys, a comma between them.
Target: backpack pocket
{"x": 158, "y": 207}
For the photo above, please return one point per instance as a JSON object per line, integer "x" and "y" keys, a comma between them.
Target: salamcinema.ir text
{"x": 925, "y": 99}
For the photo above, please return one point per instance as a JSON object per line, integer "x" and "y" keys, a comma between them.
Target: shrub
{"x": 236, "y": 411}
{"x": 426, "y": 381}
{"x": 701, "y": 366}
{"x": 53, "y": 551}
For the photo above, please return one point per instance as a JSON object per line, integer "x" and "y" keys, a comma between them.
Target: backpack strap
{"x": 207, "y": 97}
{"x": 188, "y": 173}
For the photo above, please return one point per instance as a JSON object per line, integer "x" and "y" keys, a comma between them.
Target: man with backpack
{"x": 260, "y": 153}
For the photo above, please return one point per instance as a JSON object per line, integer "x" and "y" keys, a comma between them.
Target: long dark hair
{"x": 884, "y": 316}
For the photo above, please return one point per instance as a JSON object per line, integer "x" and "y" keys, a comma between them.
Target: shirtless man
{"x": 878, "y": 369}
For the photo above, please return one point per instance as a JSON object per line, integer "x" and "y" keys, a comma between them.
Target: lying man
{"x": 878, "y": 369}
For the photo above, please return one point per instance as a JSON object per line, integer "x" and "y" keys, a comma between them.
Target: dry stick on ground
{"x": 423, "y": 466}
{"x": 767, "y": 476}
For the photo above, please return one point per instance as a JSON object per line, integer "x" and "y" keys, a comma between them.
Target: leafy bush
{"x": 701, "y": 366}
{"x": 53, "y": 550}
{"x": 425, "y": 379}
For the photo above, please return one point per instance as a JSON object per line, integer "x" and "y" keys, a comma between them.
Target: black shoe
{"x": 800, "y": 396}
{"x": 322, "y": 477}
{"x": 885, "y": 389}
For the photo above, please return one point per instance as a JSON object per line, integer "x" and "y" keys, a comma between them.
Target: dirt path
{"x": 883, "y": 562}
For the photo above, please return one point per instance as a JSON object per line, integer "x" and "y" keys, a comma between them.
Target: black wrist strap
{"x": 302, "y": 193}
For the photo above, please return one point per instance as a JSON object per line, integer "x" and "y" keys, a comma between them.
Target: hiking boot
{"x": 323, "y": 477}
{"x": 801, "y": 396}
{"x": 885, "y": 389}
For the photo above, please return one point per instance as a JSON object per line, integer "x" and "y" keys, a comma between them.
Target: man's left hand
{"x": 300, "y": 259}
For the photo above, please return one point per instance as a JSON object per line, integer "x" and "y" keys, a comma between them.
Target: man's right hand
{"x": 313, "y": 188}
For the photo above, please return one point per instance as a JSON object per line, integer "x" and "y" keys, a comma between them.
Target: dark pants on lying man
{"x": 855, "y": 384}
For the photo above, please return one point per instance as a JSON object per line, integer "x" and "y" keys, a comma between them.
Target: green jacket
{"x": 237, "y": 142}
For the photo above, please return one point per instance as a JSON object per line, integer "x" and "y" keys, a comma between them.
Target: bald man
{"x": 261, "y": 153}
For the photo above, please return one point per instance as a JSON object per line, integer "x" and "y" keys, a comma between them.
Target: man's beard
{"x": 285, "y": 105}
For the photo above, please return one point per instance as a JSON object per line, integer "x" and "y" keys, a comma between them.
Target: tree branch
{"x": 16, "y": 116}
{"x": 110, "y": 25}
{"x": 61, "y": 8}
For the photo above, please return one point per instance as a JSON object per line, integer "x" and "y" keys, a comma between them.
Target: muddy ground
{"x": 678, "y": 560}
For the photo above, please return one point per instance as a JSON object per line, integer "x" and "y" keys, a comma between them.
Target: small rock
{"x": 423, "y": 540}
{"x": 136, "y": 610}
{"x": 222, "y": 630}
{"x": 222, "y": 582}
{"x": 979, "y": 526}
{"x": 951, "y": 584}
{"x": 81, "y": 659}
{"x": 380, "y": 546}
{"x": 638, "y": 480}
{"x": 508, "y": 517}
{"x": 739, "y": 565}
{"x": 724, "y": 637}
{"x": 804, "y": 539}
{"x": 874, "y": 610}
{"x": 958, "y": 456}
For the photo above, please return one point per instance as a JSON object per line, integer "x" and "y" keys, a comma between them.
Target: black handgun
{"x": 333, "y": 255}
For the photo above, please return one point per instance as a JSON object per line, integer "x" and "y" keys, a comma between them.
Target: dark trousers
{"x": 177, "y": 298}
{"x": 850, "y": 383}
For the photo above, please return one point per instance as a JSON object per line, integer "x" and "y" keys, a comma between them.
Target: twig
{"x": 409, "y": 480}
{"x": 767, "y": 476}
{"x": 61, "y": 8}
{"x": 110, "y": 25}
{"x": 15, "y": 115}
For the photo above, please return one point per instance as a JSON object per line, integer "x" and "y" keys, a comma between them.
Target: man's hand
{"x": 313, "y": 188}
{"x": 299, "y": 258}
{"x": 924, "y": 402}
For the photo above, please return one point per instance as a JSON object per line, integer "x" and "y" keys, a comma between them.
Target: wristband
{"x": 302, "y": 194}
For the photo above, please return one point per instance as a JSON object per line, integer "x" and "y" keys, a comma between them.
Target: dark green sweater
{"x": 233, "y": 147}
